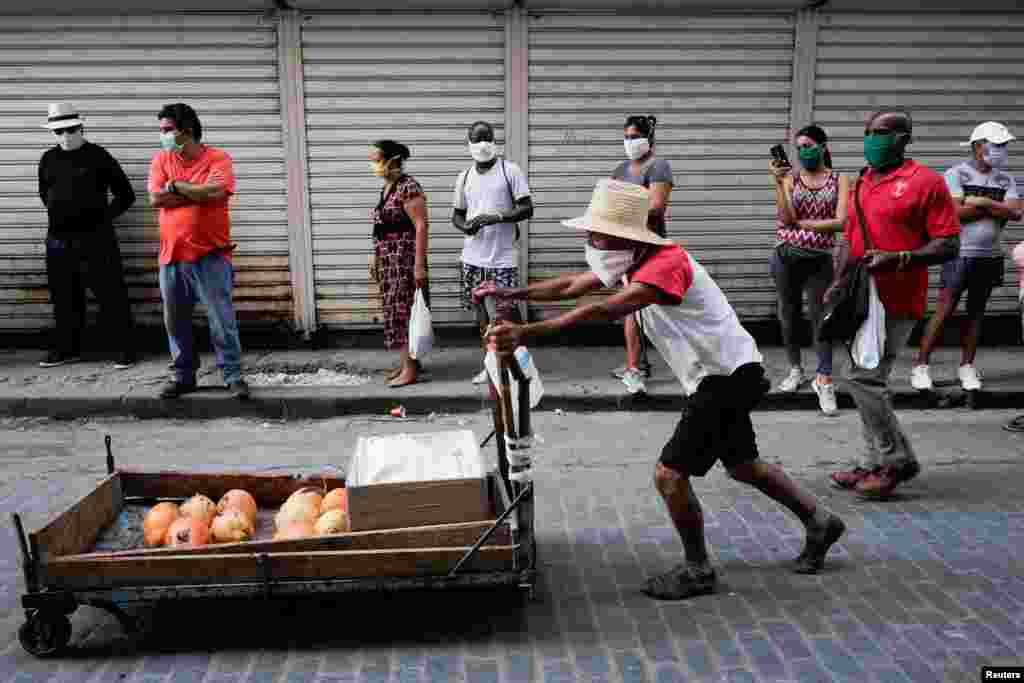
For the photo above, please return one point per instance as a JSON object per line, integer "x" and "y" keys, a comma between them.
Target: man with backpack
{"x": 491, "y": 197}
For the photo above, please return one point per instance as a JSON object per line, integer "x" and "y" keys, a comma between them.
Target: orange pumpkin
{"x": 158, "y": 520}
{"x": 337, "y": 499}
{"x": 188, "y": 532}
{"x": 237, "y": 499}
{"x": 295, "y": 530}
{"x": 199, "y": 507}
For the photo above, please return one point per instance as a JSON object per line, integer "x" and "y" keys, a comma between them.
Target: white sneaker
{"x": 481, "y": 378}
{"x": 634, "y": 381}
{"x": 792, "y": 381}
{"x": 921, "y": 379}
{"x": 826, "y": 397}
{"x": 970, "y": 380}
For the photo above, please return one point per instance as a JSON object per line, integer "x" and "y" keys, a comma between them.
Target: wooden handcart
{"x": 63, "y": 569}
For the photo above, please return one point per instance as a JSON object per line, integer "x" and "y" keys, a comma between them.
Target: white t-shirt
{"x": 982, "y": 237}
{"x": 700, "y": 335}
{"x": 494, "y": 246}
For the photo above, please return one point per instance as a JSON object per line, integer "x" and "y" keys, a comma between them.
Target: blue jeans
{"x": 209, "y": 281}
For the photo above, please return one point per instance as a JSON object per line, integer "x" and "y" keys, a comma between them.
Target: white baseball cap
{"x": 992, "y": 131}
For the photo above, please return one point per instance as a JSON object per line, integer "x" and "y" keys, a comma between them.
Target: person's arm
{"x": 121, "y": 188}
{"x": 167, "y": 200}
{"x": 937, "y": 251}
{"x": 836, "y": 223}
{"x": 570, "y": 286}
{"x": 207, "y": 192}
{"x": 1016, "y": 209}
{"x": 627, "y": 301}
{"x": 660, "y": 192}
{"x": 990, "y": 207}
{"x": 461, "y": 224}
{"x": 44, "y": 184}
{"x": 416, "y": 209}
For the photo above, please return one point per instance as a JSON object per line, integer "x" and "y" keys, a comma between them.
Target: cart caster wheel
{"x": 45, "y": 634}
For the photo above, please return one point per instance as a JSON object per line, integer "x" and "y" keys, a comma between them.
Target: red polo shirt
{"x": 904, "y": 209}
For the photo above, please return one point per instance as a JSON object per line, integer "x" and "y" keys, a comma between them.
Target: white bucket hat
{"x": 62, "y": 115}
{"x": 619, "y": 209}
{"x": 992, "y": 131}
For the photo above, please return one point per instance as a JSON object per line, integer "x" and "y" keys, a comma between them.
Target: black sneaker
{"x": 54, "y": 359}
{"x": 174, "y": 389}
{"x": 680, "y": 583}
{"x": 195, "y": 362}
{"x": 239, "y": 389}
{"x": 126, "y": 360}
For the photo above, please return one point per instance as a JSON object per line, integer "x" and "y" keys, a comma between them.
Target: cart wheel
{"x": 45, "y": 634}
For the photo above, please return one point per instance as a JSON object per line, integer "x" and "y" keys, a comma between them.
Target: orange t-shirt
{"x": 187, "y": 233}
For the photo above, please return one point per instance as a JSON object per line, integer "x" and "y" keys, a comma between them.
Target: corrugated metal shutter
{"x": 420, "y": 79}
{"x": 719, "y": 85}
{"x": 952, "y": 71}
{"x": 120, "y": 70}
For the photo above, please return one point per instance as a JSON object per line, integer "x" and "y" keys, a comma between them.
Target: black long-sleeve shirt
{"x": 75, "y": 186}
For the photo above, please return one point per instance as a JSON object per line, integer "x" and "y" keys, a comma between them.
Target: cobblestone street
{"x": 927, "y": 587}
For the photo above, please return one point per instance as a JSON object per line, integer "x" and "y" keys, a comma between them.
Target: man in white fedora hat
{"x": 688, "y": 319}
{"x": 987, "y": 198}
{"x": 76, "y": 180}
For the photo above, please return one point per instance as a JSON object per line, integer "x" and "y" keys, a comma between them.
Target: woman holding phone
{"x": 811, "y": 210}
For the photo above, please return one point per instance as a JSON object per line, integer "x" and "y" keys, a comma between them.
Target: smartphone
{"x": 779, "y": 155}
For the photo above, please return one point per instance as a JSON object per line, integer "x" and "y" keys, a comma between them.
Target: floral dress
{"x": 394, "y": 241}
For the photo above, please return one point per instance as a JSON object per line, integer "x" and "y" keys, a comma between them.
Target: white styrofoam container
{"x": 427, "y": 456}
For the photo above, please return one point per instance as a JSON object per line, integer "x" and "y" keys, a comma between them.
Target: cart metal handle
{"x": 487, "y": 534}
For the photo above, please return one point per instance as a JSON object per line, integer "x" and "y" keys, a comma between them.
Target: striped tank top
{"x": 811, "y": 204}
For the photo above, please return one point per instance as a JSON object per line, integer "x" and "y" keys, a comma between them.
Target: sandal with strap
{"x": 680, "y": 583}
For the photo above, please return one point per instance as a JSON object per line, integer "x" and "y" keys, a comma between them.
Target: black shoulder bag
{"x": 847, "y": 309}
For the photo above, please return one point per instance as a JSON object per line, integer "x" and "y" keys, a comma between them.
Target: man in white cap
{"x": 76, "y": 180}
{"x": 987, "y": 198}
{"x": 690, "y": 322}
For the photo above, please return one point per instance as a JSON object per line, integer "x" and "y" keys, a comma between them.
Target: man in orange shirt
{"x": 191, "y": 184}
{"x": 912, "y": 223}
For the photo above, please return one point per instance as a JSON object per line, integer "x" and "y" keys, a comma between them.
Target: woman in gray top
{"x": 642, "y": 168}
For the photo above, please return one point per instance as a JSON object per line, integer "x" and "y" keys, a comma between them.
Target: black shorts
{"x": 716, "y": 423}
{"x": 976, "y": 275}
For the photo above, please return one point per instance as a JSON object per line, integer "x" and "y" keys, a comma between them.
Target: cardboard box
{"x": 421, "y": 503}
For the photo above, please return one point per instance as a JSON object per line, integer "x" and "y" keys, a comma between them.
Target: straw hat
{"x": 619, "y": 209}
{"x": 62, "y": 115}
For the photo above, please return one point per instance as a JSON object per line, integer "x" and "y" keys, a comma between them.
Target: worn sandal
{"x": 679, "y": 583}
{"x": 812, "y": 558}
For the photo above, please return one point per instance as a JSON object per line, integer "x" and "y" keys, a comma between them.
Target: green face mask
{"x": 810, "y": 157}
{"x": 883, "y": 151}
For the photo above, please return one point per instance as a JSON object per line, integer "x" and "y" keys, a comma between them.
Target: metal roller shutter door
{"x": 420, "y": 79}
{"x": 952, "y": 71}
{"x": 719, "y": 85}
{"x": 119, "y": 70}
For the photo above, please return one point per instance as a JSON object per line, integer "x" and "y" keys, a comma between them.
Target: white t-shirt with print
{"x": 494, "y": 246}
{"x": 982, "y": 237}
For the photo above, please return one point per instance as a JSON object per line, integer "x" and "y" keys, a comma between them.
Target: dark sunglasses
{"x": 62, "y": 131}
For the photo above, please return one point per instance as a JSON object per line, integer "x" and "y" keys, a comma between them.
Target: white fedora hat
{"x": 993, "y": 131}
{"x": 62, "y": 115}
{"x": 619, "y": 209}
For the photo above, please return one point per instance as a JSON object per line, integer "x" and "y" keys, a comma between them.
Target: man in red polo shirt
{"x": 912, "y": 223}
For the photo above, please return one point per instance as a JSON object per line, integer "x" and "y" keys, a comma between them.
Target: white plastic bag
{"x": 421, "y": 328}
{"x": 869, "y": 342}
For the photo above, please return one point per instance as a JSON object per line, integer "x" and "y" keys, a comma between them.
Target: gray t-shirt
{"x": 981, "y": 237}
{"x": 660, "y": 171}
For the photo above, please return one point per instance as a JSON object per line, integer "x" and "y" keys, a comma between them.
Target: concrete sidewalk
{"x": 575, "y": 379}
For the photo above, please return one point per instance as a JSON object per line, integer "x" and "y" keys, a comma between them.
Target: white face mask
{"x": 997, "y": 156}
{"x": 69, "y": 142}
{"x": 636, "y": 147}
{"x": 610, "y": 265}
{"x": 482, "y": 151}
